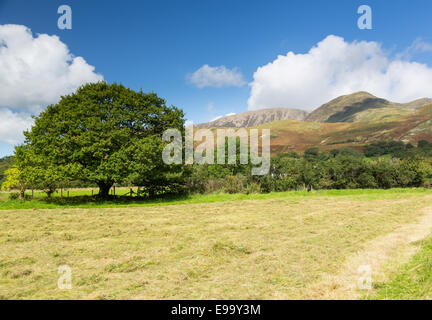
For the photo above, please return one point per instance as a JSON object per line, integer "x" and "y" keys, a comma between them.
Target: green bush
{"x": 214, "y": 185}
{"x": 235, "y": 184}
{"x": 253, "y": 187}
{"x": 13, "y": 195}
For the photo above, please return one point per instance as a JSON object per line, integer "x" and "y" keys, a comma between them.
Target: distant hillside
{"x": 299, "y": 135}
{"x": 258, "y": 117}
{"x": 352, "y": 120}
{"x": 362, "y": 106}
{"x": 416, "y": 103}
{"x": 359, "y": 106}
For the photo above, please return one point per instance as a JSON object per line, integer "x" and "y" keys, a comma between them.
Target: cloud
{"x": 421, "y": 46}
{"x": 12, "y": 125}
{"x": 227, "y": 115}
{"x": 335, "y": 67}
{"x": 221, "y": 76}
{"x": 418, "y": 46}
{"x": 35, "y": 71}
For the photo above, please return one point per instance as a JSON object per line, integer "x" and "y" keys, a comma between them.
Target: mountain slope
{"x": 359, "y": 106}
{"x": 348, "y": 121}
{"x": 343, "y": 108}
{"x": 416, "y": 103}
{"x": 362, "y": 106}
{"x": 258, "y": 117}
{"x": 299, "y": 135}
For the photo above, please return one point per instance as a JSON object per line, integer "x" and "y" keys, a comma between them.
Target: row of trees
{"x": 398, "y": 149}
{"x": 106, "y": 133}
{"x": 346, "y": 171}
{"x": 344, "y": 168}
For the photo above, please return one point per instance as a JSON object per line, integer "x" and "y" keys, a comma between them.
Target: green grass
{"x": 83, "y": 199}
{"x": 383, "y": 114}
{"x": 412, "y": 281}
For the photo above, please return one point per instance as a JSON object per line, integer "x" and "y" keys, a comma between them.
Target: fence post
{"x": 68, "y": 193}
{"x": 32, "y": 193}
{"x": 114, "y": 189}
{"x": 61, "y": 192}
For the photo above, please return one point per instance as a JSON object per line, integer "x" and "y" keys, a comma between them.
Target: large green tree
{"x": 104, "y": 133}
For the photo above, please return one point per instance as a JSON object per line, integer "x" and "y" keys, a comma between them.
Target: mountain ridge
{"x": 257, "y": 117}
{"x": 297, "y": 136}
{"x": 348, "y": 108}
{"x": 358, "y": 106}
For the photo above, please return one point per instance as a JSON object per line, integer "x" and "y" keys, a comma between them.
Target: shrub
{"x": 13, "y": 195}
{"x": 214, "y": 185}
{"x": 267, "y": 184}
{"x": 423, "y": 144}
{"x": 253, "y": 187}
{"x": 366, "y": 180}
{"x": 385, "y": 173}
{"x": 235, "y": 184}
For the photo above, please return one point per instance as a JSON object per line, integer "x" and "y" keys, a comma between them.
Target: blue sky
{"x": 154, "y": 45}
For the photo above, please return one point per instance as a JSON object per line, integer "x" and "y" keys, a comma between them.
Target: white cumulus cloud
{"x": 220, "y": 76}
{"x": 336, "y": 67}
{"x": 35, "y": 71}
{"x": 12, "y": 125}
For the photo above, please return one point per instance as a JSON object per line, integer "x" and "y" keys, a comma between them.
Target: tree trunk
{"x": 49, "y": 192}
{"x": 151, "y": 193}
{"x": 104, "y": 188}
{"x": 22, "y": 193}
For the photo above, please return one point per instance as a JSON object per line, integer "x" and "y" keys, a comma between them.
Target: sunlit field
{"x": 293, "y": 245}
{"x": 87, "y": 197}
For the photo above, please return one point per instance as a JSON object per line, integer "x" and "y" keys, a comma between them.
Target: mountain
{"x": 299, "y": 135}
{"x": 356, "y": 107}
{"x": 416, "y": 103}
{"x": 362, "y": 106}
{"x": 348, "y": 121}
{"x": 255, "y": 118}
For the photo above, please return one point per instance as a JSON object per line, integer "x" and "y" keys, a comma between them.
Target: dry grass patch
{"x": 257, "y": 249}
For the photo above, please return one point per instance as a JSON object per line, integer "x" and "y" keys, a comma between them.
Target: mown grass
{"x": 83, "y": 198}
{"x": 412, "y": 281}
{"x": 275, "y": 246}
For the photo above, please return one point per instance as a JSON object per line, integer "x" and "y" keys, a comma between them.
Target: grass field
{"x": 411, "y": 281}
{"x": 82, "y": 198}
{"x": 274, "y": 246}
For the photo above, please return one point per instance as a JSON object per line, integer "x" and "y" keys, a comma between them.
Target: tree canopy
{"x": 104, "y": 134}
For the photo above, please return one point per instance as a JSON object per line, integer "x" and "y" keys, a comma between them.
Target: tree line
{"x": 344, "y": 168}
{"x": 106, "y": 134}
